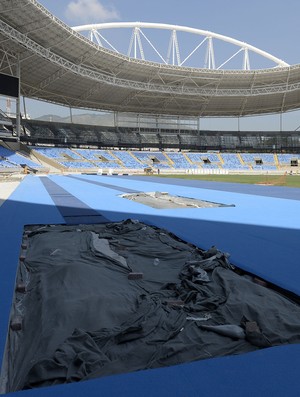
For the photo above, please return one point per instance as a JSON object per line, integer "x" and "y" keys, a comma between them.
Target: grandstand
{"x": 77, "y": 147}
{"x": 73, "y": 159}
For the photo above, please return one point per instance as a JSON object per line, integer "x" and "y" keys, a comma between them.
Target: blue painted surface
{"x": 259, "y": 190}
{"x": 262, "y": 234}
{"x": 28, "y": 204}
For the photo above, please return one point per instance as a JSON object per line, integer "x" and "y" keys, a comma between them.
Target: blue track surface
{"x": 258, "y": 190}
{"x": 261, "y": 233}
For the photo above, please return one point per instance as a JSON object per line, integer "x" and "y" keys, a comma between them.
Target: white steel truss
{"x": 174, "y": 49}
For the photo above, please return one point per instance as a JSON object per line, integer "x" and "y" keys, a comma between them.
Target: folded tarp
{"x": 119, "y": 297}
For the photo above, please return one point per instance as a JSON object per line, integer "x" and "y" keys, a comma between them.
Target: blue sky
{"x": 270, "y": 25}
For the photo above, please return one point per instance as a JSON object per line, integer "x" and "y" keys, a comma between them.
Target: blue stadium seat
{"x": 128, "y": 160}
{"x": 180, "y": 162}
{"x": 232, "y": 162}
{"x": 267, "y": 161}
{"x": 16, "y": 159}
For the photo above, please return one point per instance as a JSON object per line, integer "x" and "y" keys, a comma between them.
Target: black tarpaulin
{"x": 84, "y": 317}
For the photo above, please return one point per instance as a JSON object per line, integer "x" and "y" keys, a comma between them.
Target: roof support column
{"x": 24, "y": 107}
{"x": 116, "y": 119}
{"x": 178, "y": 124}
{"x": 18, "y": 102}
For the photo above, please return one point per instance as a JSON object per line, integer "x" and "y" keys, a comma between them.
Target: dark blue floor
{"x": 261, "y": 233}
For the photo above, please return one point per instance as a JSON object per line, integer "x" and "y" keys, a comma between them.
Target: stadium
{"x": 126, "y": 269}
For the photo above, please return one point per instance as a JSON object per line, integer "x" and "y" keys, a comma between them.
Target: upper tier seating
{"x": 169, "y": 139}
{"x": 189, "y": 139}
{"x": 109, "y": 138}
{"x": 148, "y": 138}
{"x": 127, "y": 137}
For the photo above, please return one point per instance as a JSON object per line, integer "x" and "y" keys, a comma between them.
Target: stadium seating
{"x": 210, "y": 141}
{"x": 230, "y": 141}
{"x": 107, "y": 165}
{"x": 58, "y": 153}
{"x": 89, "y": 135}
{"x": 180, "y": 162}
{"x": 285, "y": 159}
{"x": 127, "y": 137}
{"x": 8, "y": 164}
{"x": 65, "y": 157}
{"x": 16, "y": 159}
{"x": 170, "y": 140}
{"x": 189, "y": 140}
{"x": 149, "y": 139}
{"x": 153, "y": 159}
{"x": 168, "y": 160}
{"x": 76, "y": 164}
{"x": 260, "y": 161}
{"x": 43, "y": 132}
{"x": 204, "y": 160}
{"x": 109, "y": 138}
{"x": 99, "y": 158}
{"x": 66, "y": 133}
{"x": 95, "y": 154}
{"x": 231, "y": 161}
{"x": 128, "y": 160}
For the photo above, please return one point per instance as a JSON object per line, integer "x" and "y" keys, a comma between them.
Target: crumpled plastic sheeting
{"x": 83, "y": 317}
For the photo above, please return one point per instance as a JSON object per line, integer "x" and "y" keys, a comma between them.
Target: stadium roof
{"x": 61, "y": 66}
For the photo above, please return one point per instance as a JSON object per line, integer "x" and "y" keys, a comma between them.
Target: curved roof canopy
{"x": 61, "y": 66}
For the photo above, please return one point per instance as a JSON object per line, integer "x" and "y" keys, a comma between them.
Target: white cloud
{"x": 88, "y": 11}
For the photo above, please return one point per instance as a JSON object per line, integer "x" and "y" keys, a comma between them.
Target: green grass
{"x": 290, "y": 180}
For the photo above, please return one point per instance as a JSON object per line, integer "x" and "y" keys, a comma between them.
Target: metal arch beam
{"x": 116, "y": 25}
